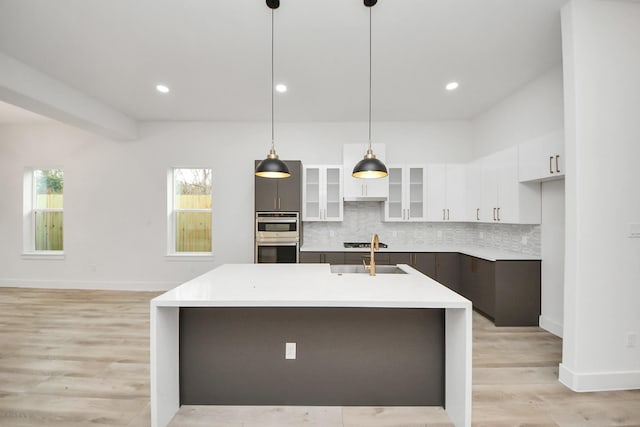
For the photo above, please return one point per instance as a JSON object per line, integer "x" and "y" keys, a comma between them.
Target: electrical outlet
{"x": 632, "y": 339}
{"x": 439, "y": 234}
{"x": 481, "y": 234}
{"x": 394, "y": 233}
{"x": 290, "y": 351}
{"x": 332, "y": 233}
{"x": 525, "y": 240}
{"x": 93, "y": 267}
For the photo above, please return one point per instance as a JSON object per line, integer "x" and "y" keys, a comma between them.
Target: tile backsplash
{"x": 361, "y": 219}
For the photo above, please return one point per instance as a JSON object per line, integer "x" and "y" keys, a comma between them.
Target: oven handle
{"x": 278, "y": 220}
{"x": 274, "y": 243}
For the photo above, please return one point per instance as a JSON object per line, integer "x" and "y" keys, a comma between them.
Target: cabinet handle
{"x": 448, "y": 217}
{"x": 274, "y": 203}
{"x": 366, "y": 189}
{"x": 408, "y": 216}
{"x": 478, "y": 214}
{"x": 278, "y": 202}
{"x": 557, "y": 159}
{"x": 494, "y": 214}
{"x": 498, "y": 214}
{"x": 550, "y": 166}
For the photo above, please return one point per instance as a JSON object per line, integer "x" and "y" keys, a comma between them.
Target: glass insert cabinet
{"x": 407, "y": 194}
{"x": 322, "y": 195}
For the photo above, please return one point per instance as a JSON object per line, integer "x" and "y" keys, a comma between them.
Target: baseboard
{"x": 86, "y": 284}
{"x": 599, "y": 381}
{"x": 550, "y": 326}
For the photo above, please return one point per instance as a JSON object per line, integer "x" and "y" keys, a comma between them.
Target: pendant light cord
{"x": 369, "y": 77}
{"x": 272, "y": 82}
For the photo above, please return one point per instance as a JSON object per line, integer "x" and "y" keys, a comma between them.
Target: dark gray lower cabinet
{"x": 382, "y": 258}
{"x": 424, "y": 262}
{"x": 517, "y": 290}
{"x": 322, "y": 257}
{"x": 448, "y": 269}
{"x": 508, "y": 292}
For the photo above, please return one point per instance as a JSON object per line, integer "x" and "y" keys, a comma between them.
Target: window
{"x": 190, "y": 211}
{"x": 44, "y": 216}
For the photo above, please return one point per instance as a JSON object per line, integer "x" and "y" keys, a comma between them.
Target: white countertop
{"x": 475, "y": 251}
{"x": 309, "y": 285}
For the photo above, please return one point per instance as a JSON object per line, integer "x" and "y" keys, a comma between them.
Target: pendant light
{"x": 272, "y": 166}
{"x": 370, "y": 167}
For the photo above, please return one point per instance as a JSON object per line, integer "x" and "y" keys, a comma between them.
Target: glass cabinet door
{"x": 322, "y": 198}
{"x": 311, "y": 203}
{"x": 333, "y": 194}
{"x": 407, "y": 194}
{"x": 395, "y": 209}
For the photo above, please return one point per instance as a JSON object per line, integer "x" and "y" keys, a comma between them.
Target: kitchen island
{"x": 196, "y": 327}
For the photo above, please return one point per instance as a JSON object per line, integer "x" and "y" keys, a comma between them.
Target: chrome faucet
{"x": 375, "y": 246}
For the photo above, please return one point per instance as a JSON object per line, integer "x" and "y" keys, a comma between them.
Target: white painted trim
{"x": 43, "y": 256}
{"x": 551, "y": 326}
{"x": 87, "y": 284}
{"x": 599, "y": 381}
{"x": 190, "y": 256}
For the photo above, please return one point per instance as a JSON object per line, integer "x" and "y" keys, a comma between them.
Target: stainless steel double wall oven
{"x": 277, "y": 237}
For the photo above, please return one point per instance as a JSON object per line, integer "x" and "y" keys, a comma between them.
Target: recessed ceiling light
{"x": 162, "y": 88}
{"x": 452, "y": 86}
{"x": 281, "y": 88}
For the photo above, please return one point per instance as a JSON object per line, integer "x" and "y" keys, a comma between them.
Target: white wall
{"x": 552, "y": 253}
{"x": 601, "y": 50}
{"x": 115, "y": 192}
{"x": 534, "y": 110}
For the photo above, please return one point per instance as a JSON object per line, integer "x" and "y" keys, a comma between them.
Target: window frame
{"x": 172, "y": 216}
{"x": 30, "y": 211}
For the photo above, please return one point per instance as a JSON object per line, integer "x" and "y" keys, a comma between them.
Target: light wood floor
{"x": 81, "y": 358}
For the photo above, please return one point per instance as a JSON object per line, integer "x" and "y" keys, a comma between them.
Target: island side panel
{"x": 458, "y": 365}
{"x": 345, "y": 356}
{"x": 164, "y": 381}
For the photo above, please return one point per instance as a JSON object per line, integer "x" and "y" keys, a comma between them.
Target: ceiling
{"x": 215, "y": 55}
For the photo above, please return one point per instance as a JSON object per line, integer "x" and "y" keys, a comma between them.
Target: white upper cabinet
{"x": 542, "y": 159}
{"x": 358, "y": 188}
{"x": 446, "y": 192}
{"x": 322, "y": 193}
{"x": 474, "y": 206}
{"x": 504, "y": 198}
{"x": 407, "y": 194}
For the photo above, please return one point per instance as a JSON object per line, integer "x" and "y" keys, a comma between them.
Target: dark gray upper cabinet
{"x": 281, "y": 194}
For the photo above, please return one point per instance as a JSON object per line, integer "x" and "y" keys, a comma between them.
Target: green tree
{"x": 50, "y": 181}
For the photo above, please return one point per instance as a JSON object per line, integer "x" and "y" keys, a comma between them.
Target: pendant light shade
{"x": 370, "y": 166}
{"x": 272, "y": 166}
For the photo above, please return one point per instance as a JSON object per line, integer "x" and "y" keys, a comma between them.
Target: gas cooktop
{"x": 361, "y": 245}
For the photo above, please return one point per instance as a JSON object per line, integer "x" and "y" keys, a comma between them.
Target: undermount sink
{"x": 359, "y": 269}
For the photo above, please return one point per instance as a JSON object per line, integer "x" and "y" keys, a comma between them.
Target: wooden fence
{"x": 49, "y": 226}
